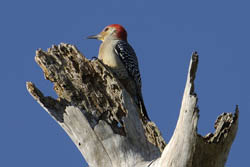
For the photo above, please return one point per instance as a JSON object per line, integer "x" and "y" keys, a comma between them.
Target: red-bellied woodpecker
{"x": 117, "y": 54}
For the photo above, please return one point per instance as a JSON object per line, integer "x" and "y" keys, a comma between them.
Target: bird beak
{"x": 98, "y": 36}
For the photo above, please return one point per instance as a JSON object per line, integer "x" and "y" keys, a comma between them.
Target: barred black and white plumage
{"x": 129, "y": 59}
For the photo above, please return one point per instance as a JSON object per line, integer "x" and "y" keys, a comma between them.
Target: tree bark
{"x": 104, "y": 122}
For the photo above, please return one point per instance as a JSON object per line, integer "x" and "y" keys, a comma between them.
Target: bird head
{"x": 113, "y": 31}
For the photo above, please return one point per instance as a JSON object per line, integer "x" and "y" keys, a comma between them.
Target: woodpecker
{"x": 120, "y": 57}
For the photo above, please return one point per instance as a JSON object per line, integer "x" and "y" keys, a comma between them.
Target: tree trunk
{"x": 104, "y": 122}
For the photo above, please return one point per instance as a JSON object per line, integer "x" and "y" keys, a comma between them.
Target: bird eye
{"x": 106, "y": 29}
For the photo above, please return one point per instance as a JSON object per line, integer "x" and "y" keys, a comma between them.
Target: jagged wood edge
{"x": 226, "y": 125}
{"x": 188, "y": 148}
{"x": 57, "y": 108}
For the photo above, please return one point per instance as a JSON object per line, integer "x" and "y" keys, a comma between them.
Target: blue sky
{"x": 163, "y": 34}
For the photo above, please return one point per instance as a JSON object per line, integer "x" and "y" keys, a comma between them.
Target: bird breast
{"x": 111, "y": 59}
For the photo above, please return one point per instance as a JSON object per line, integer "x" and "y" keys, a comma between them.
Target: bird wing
{"x": 129, "y": 59}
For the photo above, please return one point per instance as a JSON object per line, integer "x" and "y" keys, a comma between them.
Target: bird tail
{"x": 135, "y": 92}
{"x": 142, "y": 107}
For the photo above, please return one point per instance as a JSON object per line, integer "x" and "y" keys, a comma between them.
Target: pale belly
{"x": 109, "y": 58}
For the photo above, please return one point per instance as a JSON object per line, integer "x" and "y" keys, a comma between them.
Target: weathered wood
{"x": 188, "y": 149}
{"x": 103, "y": 121}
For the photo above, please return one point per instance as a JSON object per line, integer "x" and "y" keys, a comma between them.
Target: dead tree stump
{"x": 102, "y": 119}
